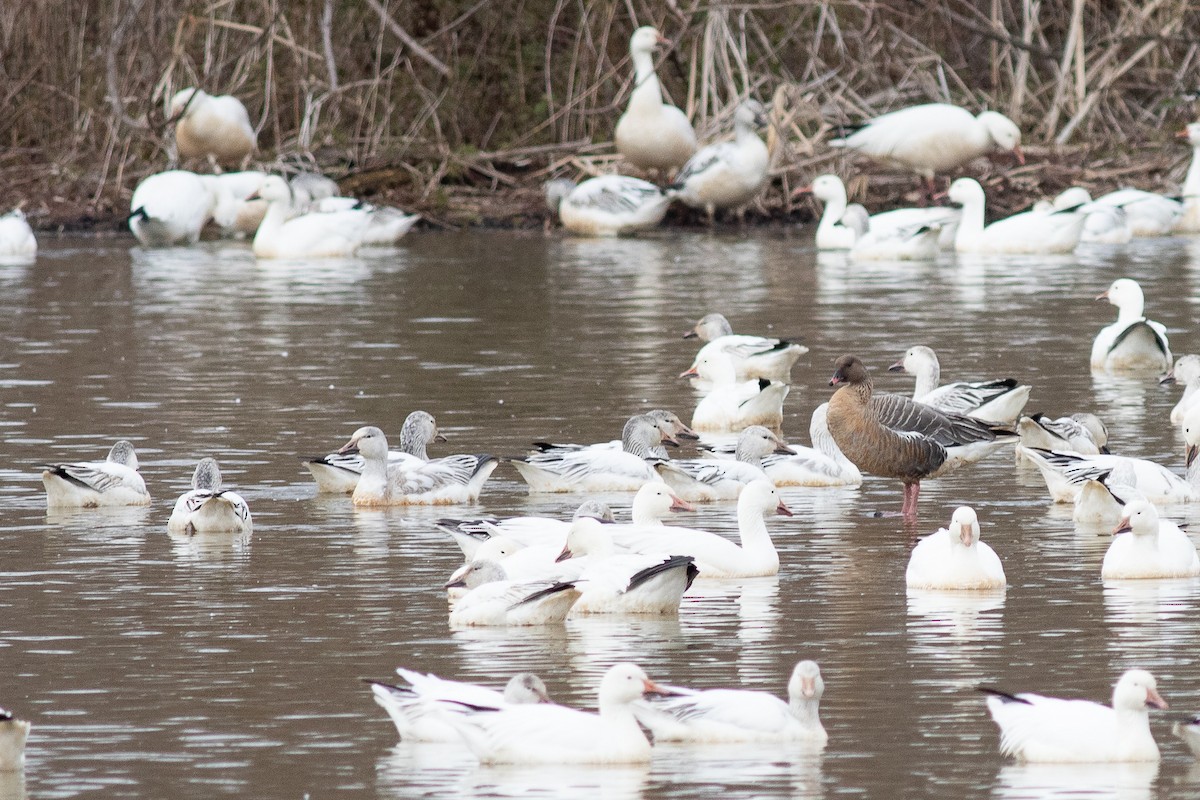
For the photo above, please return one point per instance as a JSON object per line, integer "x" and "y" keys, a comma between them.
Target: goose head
{"x": 185, "y": 102}
{"x": 656, "y": 500}
{"x": 806, "y": 685}
{"x": 828, "y": 189}
{"x": 646, "y": 40}
{"x": 849, "y": 369}
{"x": 274, "y": 189}
{"x": 964, "y": 526}
{"x": 207, "y": 476}
{"x": 1004, "y": 132}
{"x": 525, "y": 688}
{"x": 1136, "y": 690}
{"x": 757, "y": 441}
{"x": 642, "y": 433}
{"x": 586, "y": 537}
{"x": 122, "y": 453}
{"x": 497, "y": 548}
{"x": 556, "y": 191}
{"x": 751, "y": 116}
{"x": 716, "y": 367}
{"x": 1094, "y": 426}
{"x": 1185, "y": 370}
{"x": 624, "y": 683}
{"x": 671, "y": 425}
{"x": 1070, "y": 198}
{"x": 419, "y": 429}
{"x": 1140, "y": 519}
{"x": 1126, "y": 295}
{"x": 762, "y": 496}
{"x": 711, "y": 326}
{"x": 965, "y": 191}
{"x": 369, "y": 442}
{"x": 594, "y": 508}
{"x": 476, "y": 573}
{"x": 917, "y": 360}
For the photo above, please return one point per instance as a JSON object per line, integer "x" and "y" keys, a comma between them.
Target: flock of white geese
{"x": 539, "y": 571}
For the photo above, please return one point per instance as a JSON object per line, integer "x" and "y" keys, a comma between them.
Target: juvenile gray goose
{"x": 895, "y": 437}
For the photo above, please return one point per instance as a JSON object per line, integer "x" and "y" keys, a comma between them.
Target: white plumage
{"x": 609, "y": 205}
{"x": 442, "y": 481}
{"x": 708, "y": 480}
{"x": 753, "y": 356}
{"x": 92, "y": 484}
{"x": 997, "y": 401}
{"x": 728, "y": 174}
{"x": 339, "y": 472}
{"x": 493, "y": 599}
{"x": 212, "y": 127}
{"x": 13, "y": 733}
{"x": 577, "y": 468}
{"x": 954, "y": 558}
{"x": 17, "y": 242}
{"x": 1187, "y": 372}
{"x": 1154, "y": 548}
{"x": 1030, "y": 232}
{"x": 172, "y": 207}
{"x": 311, "y": 235}
{"x": 1132, "y": 342}
{"x": 731, "y": 406}
{"x": 651, "y": 134}
{"x": 208, "y": 508}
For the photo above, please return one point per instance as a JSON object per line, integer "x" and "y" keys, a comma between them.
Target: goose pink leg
{"x": 911, "y": 492}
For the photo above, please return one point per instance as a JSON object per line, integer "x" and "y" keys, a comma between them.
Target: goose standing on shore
{"x": 208, "y": 508}
{"x": 1030, "y": 232}
{"x": 1132, "y": 342}
{"x": 339, "y": 472}
{"x": 933, "y": 138}
{"x": 728, "y": 174}
{"x": 1187, "y": 372}
{"x": 998, "y": 401}
{"x": 17, "y": 242}
{"x": 609, "y": 205}
{"x": 954, "y": 559}
{"x": 216, "y": 128}
{"x": 753, "y": 356}
{"x": 443, "y": 481}
{"x": 1041, "y": 729}
{"x": 92, "y": 484}
{"x": 894, "y": 437}
{"x": 651, "y": 134}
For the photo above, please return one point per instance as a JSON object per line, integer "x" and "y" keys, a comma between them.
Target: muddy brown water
{"x": 154, "y": 666}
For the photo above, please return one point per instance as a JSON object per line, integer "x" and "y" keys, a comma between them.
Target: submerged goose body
{"x": 1154, "y": 547}
{"x": 442, "y": 481}
{"x": 652, "y": 134}
{"x": 933, "y": 138}
{"x": 414, "y": 708}
{"x": 708, "y": 480}
{"x": 17, "y": 242}
{"x": 212, "y": 127}
{"x": 728, "y": 174}
{"x": 599, "y": 468}
{"x": 208, "y": 508}
{"x": 1132, "y": 342}
{"x": 550, "y": 734}
{"x": 385, "y": 225}
{"x": 1187, "y": 372}
{"x": 1030, "y": 232}
{"x": 470, "y": 534}
{"x": 953, "y": 558}
{"x": 1034, "y": 728}
{"x": 741, "y": 715}
{"x": 609, "y": 205}
{"x": 339, "y": 472}
{"x": 753, "y": 356}
{"x": 171, "y": 208}
{"x": 998, "y": 401}
{"x": 92, "y": 484}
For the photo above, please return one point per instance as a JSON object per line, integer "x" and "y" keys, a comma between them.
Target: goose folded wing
{"x": 902, "y": 414}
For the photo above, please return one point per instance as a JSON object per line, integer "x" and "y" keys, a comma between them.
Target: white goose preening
{"x": 1132, "y": 342}
{"x": 1082, "y": 433}
{"x": 311, "y": 235}
{"x": 741, "y": 715}
{"x": 208, "y": 508}
{"x": 716, "y": 556}
{"x": 216, "y": 128}
{"x": 1051, "y": 730}
{"x": 114, "y": 481}
{"x": 651, "y": 134}
{"x": 609, "y": 205}
{"x": 954, "y": 558}
{"x": 13, "y": 733}
{"x": 492, "y": 599}
{"x": 339, "y": 472}
{"x": 728, "y": 174}
{"x": 1187, "y": 372}
{"x": 442, "y": 481}
{"x": 753, "y": 356}
{"x": 172, "y": 207}
{"x": 1154, "y": 548}
{"x": 999, "y": 400}
{"x": 17, "y": 242}
{"x": 707, "y": 480}
{"x": 550, "y": 734}
{"x": 1189, "y": 222}
{"x": 1029, "y": 232}
{"x": 933, "y": 138}
{"x": 731, "y": 406}
{"x": 599, "y": 468}
{"x": 413, "y": 707}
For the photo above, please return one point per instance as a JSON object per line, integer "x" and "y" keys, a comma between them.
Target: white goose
{"x": 651, "y": 134}
{"x": 208, "y": 508}
{"x": 1189, "y": 222}
{"x": 550, "y": 734}
{"x": 1154, "y": 548}
{"x": 998, "y": 401}
{"x": 1085, "y": 434}
{"x": 216, "y": 128}
{"x": 932, "y": 138}
{"x": 954, "y": 558}
{"x": 92, "y": 484}
{"x": 413, "y": 708}
{"x": 172, "y": 207}
{"x": 1103, "y": 502}
{"x": 443, "y": 481}
{"x": 1105, "y": 224}
{"x": 741, "y": 715}
{"x": 236, "y": 213}
{"x": 386, "y": 225}
{"x": 732, "y": 406}
{"x": 841, "y": 229}
{"x": 1132, "y": 342}
{"x": 609, "y": 205}
{"x": 753, "y": 356}
{"x": 728, "y": 174}
{"x": 912, "y": 243}
{"x": 1189, "y": 732}
{"x": 1050, "y": 730}
{"x": 707, "y": 480}
{"x": 1030, "y": 232}
{"x": 1146, "y": 213}
{"x": 492, "y": 599}
{"x": 471, "y": 534}
{"x": 17, "y": 242}
{"x": 1187, "y": 372}
{"x": 13, "y": 733}
{"x": 312, "y": 235}
{"x": 339, "y": 473}
{"x": 599, "y": 468}
{"x": 716, "y": 556}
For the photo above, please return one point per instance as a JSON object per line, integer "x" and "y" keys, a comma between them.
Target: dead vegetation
{"x": 460, "y": 108}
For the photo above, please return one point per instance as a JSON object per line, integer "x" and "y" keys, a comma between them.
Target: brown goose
{"x": 893, "y": 436}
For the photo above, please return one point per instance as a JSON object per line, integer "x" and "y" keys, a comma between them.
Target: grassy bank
{"x": 459, "y": 109}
